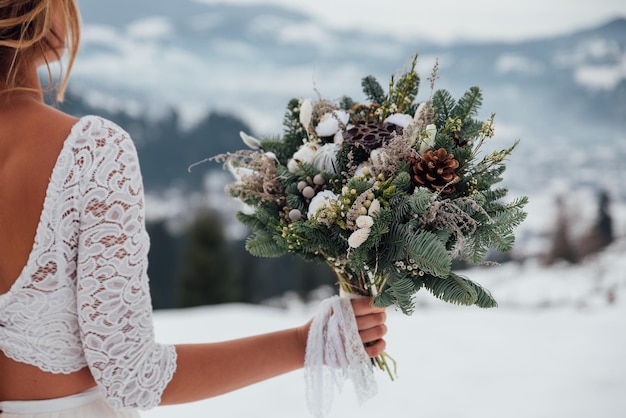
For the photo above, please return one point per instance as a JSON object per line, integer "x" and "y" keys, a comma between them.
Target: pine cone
{"x": 436, "y": 170}
{"x": 371, "y": 135}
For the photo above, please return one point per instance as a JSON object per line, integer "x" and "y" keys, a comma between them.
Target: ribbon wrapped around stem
{"x": 334, "y": 354}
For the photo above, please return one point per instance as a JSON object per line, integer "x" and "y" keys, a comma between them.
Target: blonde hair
{"x": 25, "y": 27}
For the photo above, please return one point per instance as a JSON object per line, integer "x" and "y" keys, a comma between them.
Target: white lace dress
{"x": 83, "y": 299}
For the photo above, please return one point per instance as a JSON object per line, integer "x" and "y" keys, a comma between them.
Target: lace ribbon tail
{"x": 334, "y": 354}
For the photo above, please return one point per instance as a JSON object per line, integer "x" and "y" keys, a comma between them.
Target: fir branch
{"x": 451, "y": 289}
{"x": 264, "y": 245}
{"x": 443, "y": 103}
{"x": 399, "y": 290}
{"x": 251, "y": 221}
{"x": 427, "y": 252}
{"x": 484, "y": 299}
{"x": 373, "y": 90}
{"x": 468, "y": 105}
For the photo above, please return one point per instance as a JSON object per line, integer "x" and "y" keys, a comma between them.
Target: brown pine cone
{"x": 371, "y": 135}
{"x": 436, "y": 170}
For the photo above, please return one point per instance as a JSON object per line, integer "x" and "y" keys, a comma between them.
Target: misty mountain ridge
{"x": 564, "y": 96}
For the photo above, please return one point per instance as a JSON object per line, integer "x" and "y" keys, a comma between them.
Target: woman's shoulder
{"x": 99, "y": 133}
{"x": 99, "y": 128}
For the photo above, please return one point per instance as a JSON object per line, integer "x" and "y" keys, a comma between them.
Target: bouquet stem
{"x": 381, "y": 362}
{"x": 367, "y": 288}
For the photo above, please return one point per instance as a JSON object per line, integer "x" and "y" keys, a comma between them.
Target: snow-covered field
{"x": 555, "y": 347}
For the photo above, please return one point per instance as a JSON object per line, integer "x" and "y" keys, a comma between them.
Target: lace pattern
{"x": 334, "y": 354}
{"x": 83, "y": 297}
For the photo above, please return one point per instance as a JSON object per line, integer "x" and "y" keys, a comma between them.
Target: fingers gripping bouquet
{"x": 386, "y": 192}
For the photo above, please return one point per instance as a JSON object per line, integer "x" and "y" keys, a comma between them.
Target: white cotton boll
{"x": 331, "y": 123}
{"x": 292, "y": 166}
{"x": 358, "y": 237}
{"x": 399, "y": 119}
{"x": 305, "y": 154}
{"x": 364, "y": 221}
{"x": 306, "y": 112}
{"x": 374, "y": 207}
{"x": 249, "y": 140}
{"x": 321, "y": 201}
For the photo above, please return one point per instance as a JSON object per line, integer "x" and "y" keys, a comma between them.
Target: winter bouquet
{"x": 387, "y": 192}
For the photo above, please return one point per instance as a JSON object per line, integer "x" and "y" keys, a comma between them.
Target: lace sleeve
{"x": 114, "y": 306}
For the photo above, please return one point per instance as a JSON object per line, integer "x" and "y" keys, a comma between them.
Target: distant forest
{"x": 199, "y": 266}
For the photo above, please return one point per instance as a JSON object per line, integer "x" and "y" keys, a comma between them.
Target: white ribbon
{"x": 335, "y": 353}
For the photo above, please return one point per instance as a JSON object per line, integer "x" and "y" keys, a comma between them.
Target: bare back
{"x": 31, "y": 137}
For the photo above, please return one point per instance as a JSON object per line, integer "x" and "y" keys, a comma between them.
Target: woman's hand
{"x": 371, "y": 324}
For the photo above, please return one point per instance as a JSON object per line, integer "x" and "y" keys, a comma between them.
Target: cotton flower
{"x": 249, "y": 140}
{"x": 358, "y": 237}
{"x": 374, "y": 207}
{"x": 321, "y": 201}
{"x": 305, "y": 154}
{"x": 364, "y": 221}
{"x": 330, "y": 123}
{"x": 292, "y": 166}
{"x": 399, "y": 119}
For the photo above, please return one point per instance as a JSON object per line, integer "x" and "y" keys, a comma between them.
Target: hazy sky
{"x": 447, "y": 20}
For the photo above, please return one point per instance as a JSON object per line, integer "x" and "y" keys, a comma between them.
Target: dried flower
{"x": 326, "y": 158}
{"x": 358, "y": 237}
{"x": 306, "y": 113}
{"x": 364, "y": 221}
{"x": 424, "y": 115}
{"x": 250, "y": 141}
{"x": 374, "y": 207}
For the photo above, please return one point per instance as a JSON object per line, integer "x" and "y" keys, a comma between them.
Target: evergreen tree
{"x": 562, "y": 247}
{"x": 207, "y": 277}
{"x": 604, "y": 224}
{"x": 600, "y": 234}
{"x": 163, "y": 265}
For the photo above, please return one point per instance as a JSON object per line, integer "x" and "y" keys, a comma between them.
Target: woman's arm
{"x": 206, "y": 370}
{"x": 113, "y": 298}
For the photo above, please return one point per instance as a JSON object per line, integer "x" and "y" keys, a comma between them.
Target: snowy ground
{"x": 556, "y": 347}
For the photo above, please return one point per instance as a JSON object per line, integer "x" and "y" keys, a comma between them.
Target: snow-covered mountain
{"x": 565, "y": 97}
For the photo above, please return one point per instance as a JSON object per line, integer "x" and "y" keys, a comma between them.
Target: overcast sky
{"x": 453, "y": 20}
